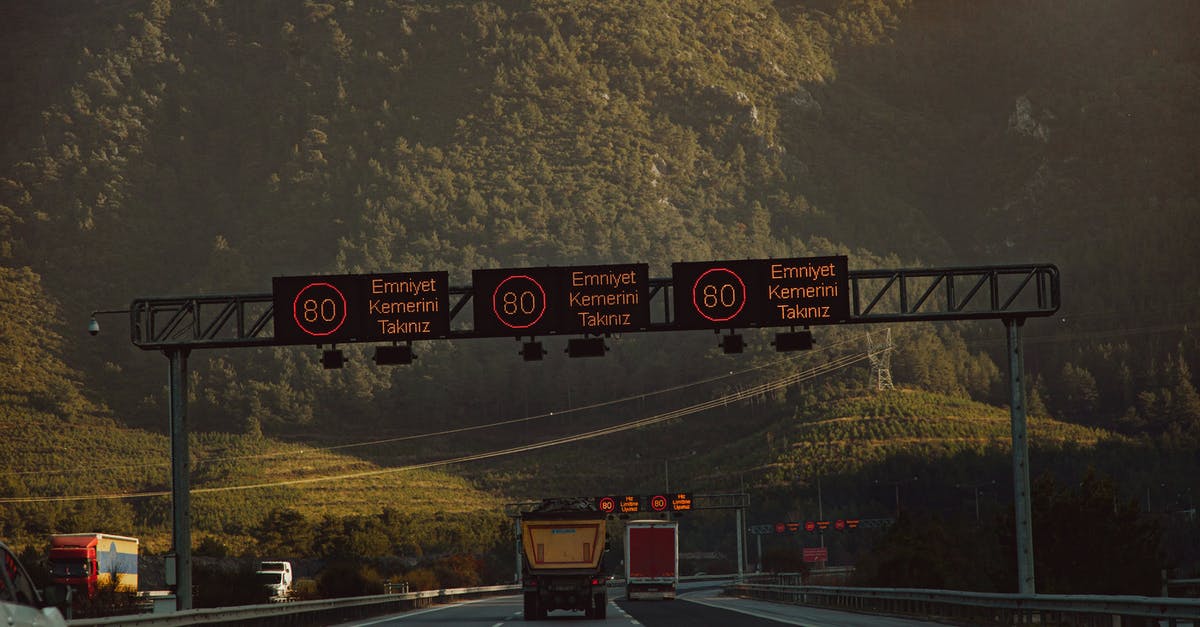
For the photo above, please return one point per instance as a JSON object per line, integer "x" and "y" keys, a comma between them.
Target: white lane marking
{"x": 632, "y": 620}
{"x": 739, "y": 610}
{"x": 406, "y": 615}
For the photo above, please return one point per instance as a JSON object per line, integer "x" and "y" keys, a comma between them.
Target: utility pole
{"x": 881, "y": 360}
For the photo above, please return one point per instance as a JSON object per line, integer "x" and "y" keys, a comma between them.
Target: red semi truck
{"x": 89, "y": 560}
{"x": 651, "y": 559}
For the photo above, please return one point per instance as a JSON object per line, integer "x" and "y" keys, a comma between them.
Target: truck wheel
{"x": 531, "y": 606}
{"x": 601, "y": 608}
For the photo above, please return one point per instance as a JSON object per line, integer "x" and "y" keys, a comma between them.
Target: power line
{"x": 821, "y": 369}
{"x": 511, "y": 421}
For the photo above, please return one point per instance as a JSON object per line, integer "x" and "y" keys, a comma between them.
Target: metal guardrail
{"x": 319, "y": 612}
{"x": 983, "y": 607}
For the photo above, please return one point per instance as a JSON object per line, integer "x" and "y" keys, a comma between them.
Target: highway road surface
{"x": 699, "y": 606}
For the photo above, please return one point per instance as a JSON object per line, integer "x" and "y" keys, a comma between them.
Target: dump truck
{"x": 563, "y": 543}
{"x": 87, "y": 561}
{"x": 651, "y": 559}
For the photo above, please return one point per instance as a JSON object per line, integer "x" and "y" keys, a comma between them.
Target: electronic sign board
{"x": 681, "y": 502}
{"x": 551, "y": 300}
{"x": 761, "y": 292}
{"x": 606, "y": 504}
{"x": 361, "y": 307}
{"x": 630, "y": 504}
{"x": 658, "y": 503}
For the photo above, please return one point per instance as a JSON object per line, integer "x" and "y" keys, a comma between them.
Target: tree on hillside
{"x": 1087, "y": 540}
{"x": 922, "y": 551}
{"x": 1078, "y": 399}
{"x": 284, "y": 533}
{"x": 32, "y": 373}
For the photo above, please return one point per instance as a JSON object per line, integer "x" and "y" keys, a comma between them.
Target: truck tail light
{"x": 531, "y": 582}
{"x": 595, "y": 581}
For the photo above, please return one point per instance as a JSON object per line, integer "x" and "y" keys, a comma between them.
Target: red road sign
{"x": 816, "y": 554}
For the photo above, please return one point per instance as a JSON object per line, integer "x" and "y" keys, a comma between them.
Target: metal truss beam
{"x": 1009, "y": 292}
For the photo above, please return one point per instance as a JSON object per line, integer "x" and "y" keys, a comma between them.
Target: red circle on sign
{"x": 839, "y": 524}
{"x": 810, "y": 525}
{"x": 608, "y": 505}
{"x": 658, "y": 503}
{"x": 522, "y": 309}
{"x": 321, "y": 316}
{"x": 720, "y": 299}
{"x": 780, "y": 527}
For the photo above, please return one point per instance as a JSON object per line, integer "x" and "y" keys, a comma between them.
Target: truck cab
{"x": 277, "y": 578}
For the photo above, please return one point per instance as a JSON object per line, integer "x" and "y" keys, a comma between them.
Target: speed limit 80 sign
{"x": 761, "y": 292}
{"x": 561, "y": 300}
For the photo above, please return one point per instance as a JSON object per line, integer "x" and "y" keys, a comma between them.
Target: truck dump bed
{"x": 564, "y": 542}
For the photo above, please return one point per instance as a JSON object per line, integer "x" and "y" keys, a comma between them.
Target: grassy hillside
{"x": 764, "y": 445}
{"x": 46, "y": 461}
{"x": 852, "y": 433}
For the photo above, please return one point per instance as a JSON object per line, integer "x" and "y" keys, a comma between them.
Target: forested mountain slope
{"x": 156, "y": 147}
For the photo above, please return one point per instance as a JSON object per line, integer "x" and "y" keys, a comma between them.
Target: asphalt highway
{"x": 698, "y": 605}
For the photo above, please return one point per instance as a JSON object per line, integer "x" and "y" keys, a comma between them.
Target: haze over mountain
{"x": 181, "y": 147}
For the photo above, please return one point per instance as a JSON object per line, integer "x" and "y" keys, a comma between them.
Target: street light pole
{"x": 1020, "y": 452}
{"x": 896, "y": 486}
{"x": 181, "y": 520}
{"x": 975, "y": 487}
{"x": 820, "y": 508}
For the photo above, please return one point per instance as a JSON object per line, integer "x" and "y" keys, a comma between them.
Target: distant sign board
{"x": 761, "y": 292}
{"x": 361, "y": 308}
{"x": 816, "y": 554}
{"x": 681, "y": 502}
{"x": 561, "y": 300}
{"x": 675, "y": 502}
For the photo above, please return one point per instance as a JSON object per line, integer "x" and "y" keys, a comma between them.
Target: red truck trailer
{"x": 651, "y": 559}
